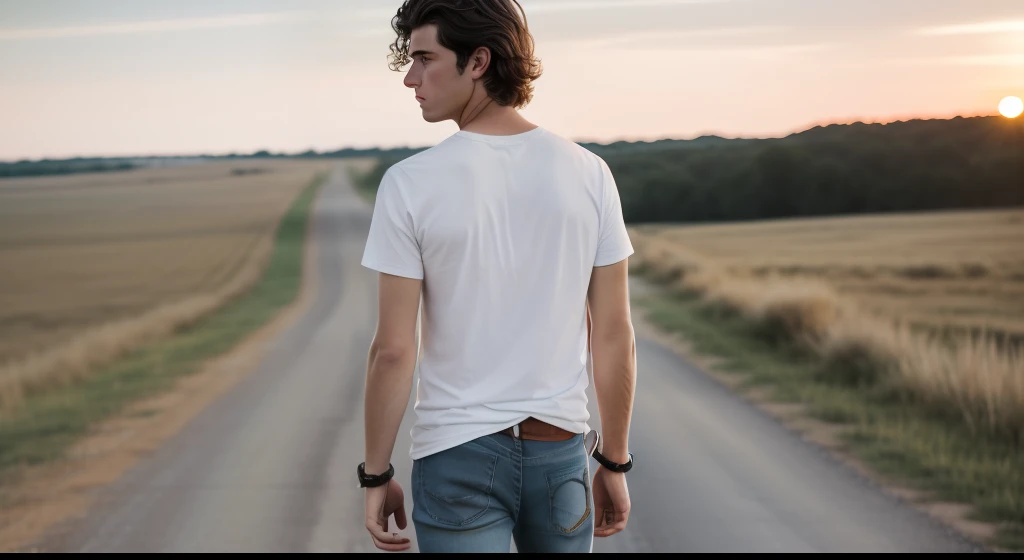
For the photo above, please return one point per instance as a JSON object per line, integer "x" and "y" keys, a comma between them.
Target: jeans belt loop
{"x": 515, "y": 430}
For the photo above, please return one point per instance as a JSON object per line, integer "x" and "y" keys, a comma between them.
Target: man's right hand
{"x": 381, "y": 502}
{"x": 611, "y": 502}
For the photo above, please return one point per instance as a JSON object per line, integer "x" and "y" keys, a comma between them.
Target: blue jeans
{"x": 480, "y": 495}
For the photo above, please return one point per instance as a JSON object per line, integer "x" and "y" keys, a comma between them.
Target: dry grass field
{"x": 957, "y": 269}
{"x": 925, "y": 301}
{"x": 92, "y": 265}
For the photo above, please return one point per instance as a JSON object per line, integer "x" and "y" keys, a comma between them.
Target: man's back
{"x": 510, "y": 237}
{"x": 505, "y": 232}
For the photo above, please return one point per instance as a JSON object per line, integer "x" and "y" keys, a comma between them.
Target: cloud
{"x": 987, "y": 60}
{"x": 745, "y": 43}
{"x": 1003, "y": 26}
{"x": 1010, "y": 59}
{"x": 757, "y": 52}
{"x": 645, "y": 38}
{"x": 548, "y": 6}
{"x": 152, "y": 26}
{"x": 555, "y": 6}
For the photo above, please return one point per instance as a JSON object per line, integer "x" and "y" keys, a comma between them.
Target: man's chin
{"x": 432, "y": 117}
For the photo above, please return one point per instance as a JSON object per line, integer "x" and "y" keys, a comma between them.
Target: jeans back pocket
{"x": 569, "y": 493}
{"x": 457, "y": 484}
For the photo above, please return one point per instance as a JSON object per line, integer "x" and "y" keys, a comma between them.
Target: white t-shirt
{"x": 505, "y": 232}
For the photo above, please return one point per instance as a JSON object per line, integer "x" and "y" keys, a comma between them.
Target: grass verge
{"x": 47, "y": 424}
{"x": 897, "y": 437}
{"x": 366, "y": 182}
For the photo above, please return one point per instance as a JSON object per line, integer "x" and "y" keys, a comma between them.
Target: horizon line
{"x": 580, "y": 139}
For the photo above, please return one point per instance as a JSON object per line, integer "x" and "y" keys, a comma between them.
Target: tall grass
{"x": 977, "y": 377}
{"x": 97, "y": 347}
{"x": 44, "y": 426}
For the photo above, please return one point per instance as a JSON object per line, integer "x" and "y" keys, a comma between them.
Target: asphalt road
{"x": 271, "y": 466}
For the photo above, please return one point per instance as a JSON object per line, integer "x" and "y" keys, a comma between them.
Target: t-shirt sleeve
{"x": 391, "y": 246}
{"x": 613, "y": 243}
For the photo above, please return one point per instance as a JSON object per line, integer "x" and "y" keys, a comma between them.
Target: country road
{"x": 270, "y": 467}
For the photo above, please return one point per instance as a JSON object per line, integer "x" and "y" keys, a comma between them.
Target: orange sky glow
{"x": 113, "y": 78}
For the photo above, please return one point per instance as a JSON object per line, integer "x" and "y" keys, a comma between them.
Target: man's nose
{"x": 410, "y": 80}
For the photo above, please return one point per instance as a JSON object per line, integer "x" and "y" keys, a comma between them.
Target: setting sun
{"x": 1011, "y": 107}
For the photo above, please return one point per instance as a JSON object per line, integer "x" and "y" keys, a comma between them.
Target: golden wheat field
{"x": 885, "y": 289}
{"x": 959, "y": 269}
{"x": 91, "y": 264}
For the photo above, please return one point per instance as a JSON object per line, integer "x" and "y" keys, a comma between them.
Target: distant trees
{"x": 62, "y": 167}
{"x": 837, "y": 169}
{"x": 29, "y": 168}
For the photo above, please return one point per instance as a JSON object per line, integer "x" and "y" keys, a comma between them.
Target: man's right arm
{"x": 613, "y": 348}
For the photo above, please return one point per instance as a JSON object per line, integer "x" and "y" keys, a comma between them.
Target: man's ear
{"x": 479, "y": 62}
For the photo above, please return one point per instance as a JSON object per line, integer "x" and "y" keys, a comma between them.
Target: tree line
{"x": 62, "y": 167}
{"x": 975, "y": 162}
{"x": 33, "y": 168}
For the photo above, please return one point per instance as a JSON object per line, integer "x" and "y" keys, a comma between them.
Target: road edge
{"x": 54, "y": 495}
{"x": 812, "y": 431}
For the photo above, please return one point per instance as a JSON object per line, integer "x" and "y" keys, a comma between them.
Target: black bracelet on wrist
{"x": 374, "y": 480}
{"x": 612, "y": 465}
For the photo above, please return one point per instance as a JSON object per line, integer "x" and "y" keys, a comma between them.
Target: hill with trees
{"x": 975, "y": 162}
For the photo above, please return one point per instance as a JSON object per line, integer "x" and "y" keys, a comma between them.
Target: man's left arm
{"x": 390, "y": 366}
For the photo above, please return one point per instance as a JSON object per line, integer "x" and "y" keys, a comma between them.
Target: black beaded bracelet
{"x": 374, "y": 480}
{"x": 613, "y": 466}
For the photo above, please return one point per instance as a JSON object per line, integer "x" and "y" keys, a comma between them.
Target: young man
{"x": 515, "y": 238}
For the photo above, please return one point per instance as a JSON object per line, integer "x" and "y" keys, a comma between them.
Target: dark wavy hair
{"x": 465, "y": 25}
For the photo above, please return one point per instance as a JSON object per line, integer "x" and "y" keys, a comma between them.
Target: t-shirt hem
{"x": 426, "y": 449}
{"x": 614, "y": 258}
{"x": 394, "y": 270}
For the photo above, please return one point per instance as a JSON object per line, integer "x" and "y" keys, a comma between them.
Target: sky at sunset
{"x": 148, "y": 77}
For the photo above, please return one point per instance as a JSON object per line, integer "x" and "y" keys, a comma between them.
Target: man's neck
{"x": 498, "y": 121}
